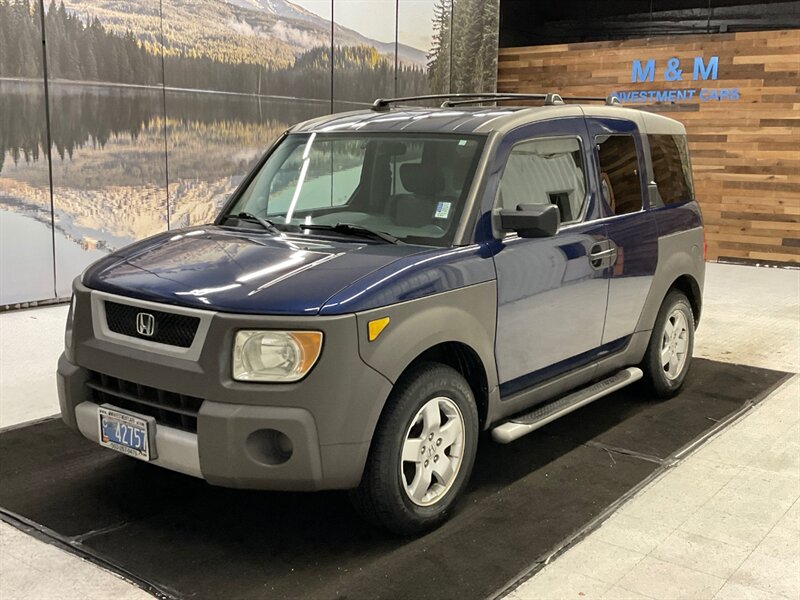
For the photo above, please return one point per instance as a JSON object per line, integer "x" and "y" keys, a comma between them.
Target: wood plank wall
{"x": 745, "y": 153}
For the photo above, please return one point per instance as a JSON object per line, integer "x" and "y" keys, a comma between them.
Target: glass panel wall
{"x": 158, "y": 108}
{"x": 107, "y": 129}
{"x": 26, "y": 234}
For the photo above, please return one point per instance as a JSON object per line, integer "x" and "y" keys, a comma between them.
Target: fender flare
{"x": 467, "y": 316}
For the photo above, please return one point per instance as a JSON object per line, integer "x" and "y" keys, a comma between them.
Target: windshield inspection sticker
{"x": 442, "y": 210}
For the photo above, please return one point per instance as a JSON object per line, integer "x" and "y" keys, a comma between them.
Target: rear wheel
{"x": 422, "y": 452}
{"x": 669, "y": 353}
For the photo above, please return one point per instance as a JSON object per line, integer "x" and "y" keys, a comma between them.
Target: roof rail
{"x": 610, "y": 100}
{"x": 550, "y": 99}
{"x": 382, "y": 104}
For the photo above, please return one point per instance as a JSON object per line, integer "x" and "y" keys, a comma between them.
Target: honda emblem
{"x": 145, "y": 324}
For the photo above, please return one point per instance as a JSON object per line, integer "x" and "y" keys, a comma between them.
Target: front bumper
{"x": 328, "y": 417}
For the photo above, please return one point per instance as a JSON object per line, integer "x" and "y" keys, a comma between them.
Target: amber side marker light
{"x": 374, "y": 328}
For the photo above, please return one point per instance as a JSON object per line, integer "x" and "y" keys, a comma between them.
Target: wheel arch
{"x": 691, "y": 289}
{"x": 462, "y": 358}
{"x": 455, "y": 328}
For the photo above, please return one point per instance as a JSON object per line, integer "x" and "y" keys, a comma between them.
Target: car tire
{"x": 422, "y": 452}
{"x": 669, "y": 353}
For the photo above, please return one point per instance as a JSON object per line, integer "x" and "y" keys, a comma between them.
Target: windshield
{"x": 409, "y": 186}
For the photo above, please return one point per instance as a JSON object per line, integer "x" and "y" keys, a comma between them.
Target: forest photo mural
{"x": 158, "y": 108}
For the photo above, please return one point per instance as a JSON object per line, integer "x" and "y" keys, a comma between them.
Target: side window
{"x": 545, "y": 171}
{"x": 619, "y": 173}
{"x": 672, "y": 172}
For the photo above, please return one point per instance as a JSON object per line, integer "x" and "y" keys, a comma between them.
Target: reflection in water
{"x": 214, "y": 142}
{"x": 109, "y": 164}
{"x": 93, "y": 115}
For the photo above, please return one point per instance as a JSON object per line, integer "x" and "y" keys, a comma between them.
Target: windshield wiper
{"x": 246, "y": 216}
{"x": 351, "y": 229}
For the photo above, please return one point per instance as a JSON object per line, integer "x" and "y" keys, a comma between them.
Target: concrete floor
{"x": 722, "y": 524}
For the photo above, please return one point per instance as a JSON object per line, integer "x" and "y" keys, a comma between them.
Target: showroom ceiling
{"x": 524, "y": 23}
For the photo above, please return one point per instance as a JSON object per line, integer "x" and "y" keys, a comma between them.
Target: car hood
{"x": 217, "y": 268}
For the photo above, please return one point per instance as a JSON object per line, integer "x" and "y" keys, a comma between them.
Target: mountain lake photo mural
{"x": 158, "y": 109}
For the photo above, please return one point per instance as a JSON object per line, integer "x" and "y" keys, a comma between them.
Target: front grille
{"x": 168, "y": 328}
{"x": 168, "y": 408}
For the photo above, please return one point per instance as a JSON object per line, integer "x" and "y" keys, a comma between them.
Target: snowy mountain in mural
{"x": 233, "y": 31}
{"x": 199, "y": 86}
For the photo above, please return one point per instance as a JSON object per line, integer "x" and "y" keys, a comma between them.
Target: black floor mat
{"x": 196, "y": 541}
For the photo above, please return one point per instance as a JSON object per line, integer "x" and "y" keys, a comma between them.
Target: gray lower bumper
{"x": 177, "y": 450}
{"x": 232, "y": 445}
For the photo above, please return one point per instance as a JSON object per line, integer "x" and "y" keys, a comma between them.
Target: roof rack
{"x": 383, "y": 104}
{"x": 549, "y": 99}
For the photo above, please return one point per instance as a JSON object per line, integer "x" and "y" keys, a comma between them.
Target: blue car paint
{"x": 416, "y": 276}
{"x": 635, "y": 236}
{"x": 241, "y": 272}
{"x": 551, "y": 278}
{"x": 676, "y": 218}
{"x": 524, "y": 382}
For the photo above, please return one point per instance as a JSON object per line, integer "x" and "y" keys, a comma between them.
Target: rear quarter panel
{"x": 680, "y": 252}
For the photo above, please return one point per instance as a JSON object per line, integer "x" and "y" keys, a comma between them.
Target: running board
{"x": 542, "y": 415}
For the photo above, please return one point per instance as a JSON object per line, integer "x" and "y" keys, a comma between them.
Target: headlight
{"x": 275, "y": 355}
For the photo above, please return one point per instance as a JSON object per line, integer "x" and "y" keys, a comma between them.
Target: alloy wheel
{"x": 674, "y": 344}
{"x": 432, "y": 451}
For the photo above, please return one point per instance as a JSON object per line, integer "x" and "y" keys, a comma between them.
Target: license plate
{"x": 125, "y": 433}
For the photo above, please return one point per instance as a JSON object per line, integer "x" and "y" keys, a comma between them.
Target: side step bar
{"x": 542, "y": 415}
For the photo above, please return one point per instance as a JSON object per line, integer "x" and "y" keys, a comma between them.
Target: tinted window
{"x": 671, "y": 170}
{"x": 545, "y": 171}
{"x": 619, "y": 173}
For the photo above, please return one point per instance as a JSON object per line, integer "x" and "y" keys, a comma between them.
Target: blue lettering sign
{"x": 703, "y": 71}
{"x": 672, "y": 72}
{"x": 640, "y": 74}
{"x": 678, "y": 95}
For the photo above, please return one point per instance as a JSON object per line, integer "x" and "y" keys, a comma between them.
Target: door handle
{"x": 602, "y": 253}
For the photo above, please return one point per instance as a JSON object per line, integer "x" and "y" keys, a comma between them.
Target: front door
{"x": 552, "y": 292}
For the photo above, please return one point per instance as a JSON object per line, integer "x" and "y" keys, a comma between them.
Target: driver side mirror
{"x": 531, "y": 220}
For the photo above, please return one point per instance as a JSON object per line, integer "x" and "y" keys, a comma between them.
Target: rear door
{"x": 551, "y": 291}
{"x": 633, "y": 238}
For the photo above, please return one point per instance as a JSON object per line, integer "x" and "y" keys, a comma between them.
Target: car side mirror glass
{"x": 531, "y": 220}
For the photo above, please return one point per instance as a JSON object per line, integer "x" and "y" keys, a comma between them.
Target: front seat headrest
{"x": 421, "y": 181}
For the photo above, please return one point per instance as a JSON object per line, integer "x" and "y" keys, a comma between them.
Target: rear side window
{"x": 672, "y": 172}
{"x": 545, "y": 171}
{"x": 619, "y": 173}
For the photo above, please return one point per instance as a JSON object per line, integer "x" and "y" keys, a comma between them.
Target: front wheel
{"x": 669, "y": 353}
{"x": 422, "y": 452}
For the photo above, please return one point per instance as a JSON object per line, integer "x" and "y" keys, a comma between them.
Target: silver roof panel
{"x": 411, "y": 120}
{"x": 465, "y": 120}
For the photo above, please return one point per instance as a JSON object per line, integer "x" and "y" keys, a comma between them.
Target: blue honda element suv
{"x": 387, "y": 284}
